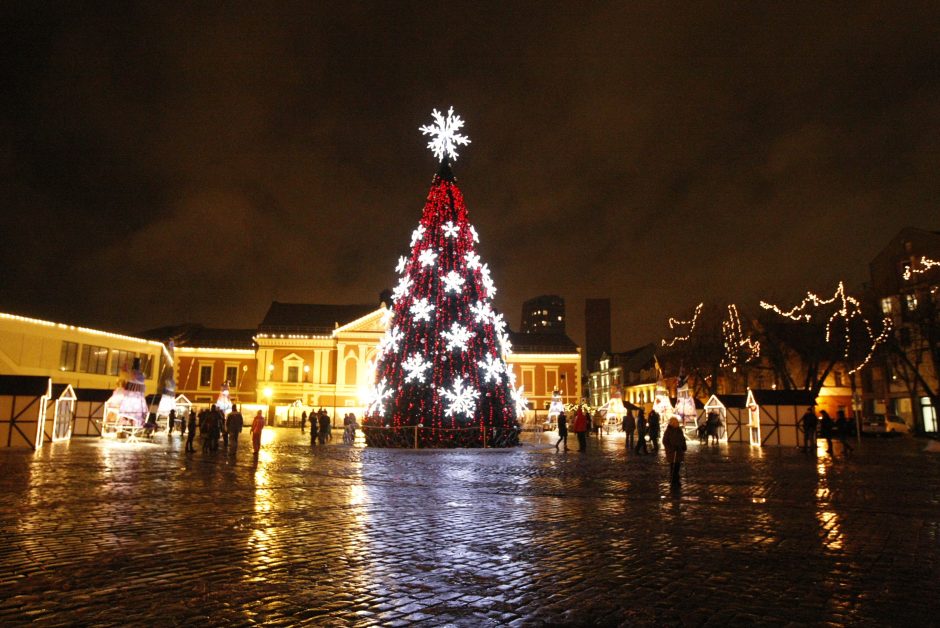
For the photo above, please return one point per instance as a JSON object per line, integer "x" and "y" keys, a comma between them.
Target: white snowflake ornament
{"x": 402, "y": 261}
{"x": 421, "y": 310}
{"x": 450, "y": 229}
{"x": 417, "y": 235}
{"x": 457, "y": 337}
{"x": 453, "y": 282}
{"x": 460, "y": 400}
{"x": 472, "y": 259}
{"x": 445, "y": 137}
{"x": 492, "y": 368}
{"x": 416, "y": 365}
{"x": 427, "y": 258}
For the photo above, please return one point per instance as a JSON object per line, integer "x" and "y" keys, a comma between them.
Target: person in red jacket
{"x": 580, "y": 428}
{"x": 256, "y": 426}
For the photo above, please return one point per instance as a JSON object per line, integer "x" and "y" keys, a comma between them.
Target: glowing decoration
{"x": 450, "y": 229}
{"x": 482, "y": 312}
{"x": 224, "y": 401}
{"x": 125, "y": 412}
{"x": 388, "y": 315}
{"x": 739, "y": 348}
{"x": 847, "y": 309}
{"x": 614, "y": 408}
{"x": 557, "y": 405}
{"x": 473, "y": 232}
{"x": 457, "y": 336}
{"x": 460, "y": 399}
{"x": 492, "y": 367}
{"x": 472, "y": 259}
{"x": 390, "y": 341}
{"x": 445, "y": 137}
{"x": 673, "y": 323}
{"x": 519, "y": 398}
{"x": 453, "y": 282}
{"x": 685, "y": 403}
{"x": 499, "y": 325}
{"x": 416, "y": 365}
{"x": 443, "y": 380}
{"x": 505, "y": 345}
{"x": 377, "y": 398}
{"x": 417, "y": 235}
{"x": 427, "y": 258}
{"x": 402, "y": 262}
{"x": 925, "y": 265}
{"x": 421, "y": 310}
{"x": 661, "y": 403}
{"x": 401, "y": 290}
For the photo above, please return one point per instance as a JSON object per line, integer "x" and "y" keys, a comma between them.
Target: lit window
{"x": 205, "y": 376}
{"x": 887, "y": 305}
{"x": 68, "y": 358}
{"x": 911, "y": 301}
{"x": 231, "y": 375}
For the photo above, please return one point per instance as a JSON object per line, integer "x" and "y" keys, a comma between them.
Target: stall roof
{"x": 771, "y": 398}
{"x": 23, "y": 385}
{"x": 93, "y": 394}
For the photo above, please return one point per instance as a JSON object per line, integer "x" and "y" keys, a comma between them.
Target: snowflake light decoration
{"x": 499, "y": 324}
{"x": 445, "y": 137}
{"x": 417, "y": 235}
{"x": 387, "y": 315}
{"x": 453, "y": 282}
{"x": 450, "y": 229}
{"x": 473, "y": 232}
{"x": 504, "y": 344}
{"x": 488, "y": 282}
{"x": 377, "y": 397}
{"x": 472, "y": 259}
{"x": 492, "y": 368}
{"x": 460, "y": 400}
{"x": 482, "y": 312}
{"x": 427, "y": 258}
{"x": 421, "y": 310}
{"x": 457, "y": 337}
{"x": 401, "y": 290}
{"x": 402, "y": 261}
{"x": 389, "y": 341}
{"x": 522, "y": 404}
{"x": 416, "y": 365}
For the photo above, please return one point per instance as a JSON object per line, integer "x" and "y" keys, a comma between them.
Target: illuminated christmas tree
{"x": 441, "y": 362}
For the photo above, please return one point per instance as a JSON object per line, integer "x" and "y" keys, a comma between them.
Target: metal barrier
{"x": 420, "y": 437}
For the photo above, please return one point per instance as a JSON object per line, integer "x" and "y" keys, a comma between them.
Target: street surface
{"x": 105, "y": 533}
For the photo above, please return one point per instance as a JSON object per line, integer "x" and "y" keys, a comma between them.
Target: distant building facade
{"x": 543, "y": 314}
{"x": 908, "y": 291}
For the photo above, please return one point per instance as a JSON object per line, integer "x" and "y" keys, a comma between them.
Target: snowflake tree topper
{"x": 445, "y": 137}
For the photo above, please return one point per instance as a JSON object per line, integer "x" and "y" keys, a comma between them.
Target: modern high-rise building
{"x": 596, "y": 331}
{"x": 544, "y": 314}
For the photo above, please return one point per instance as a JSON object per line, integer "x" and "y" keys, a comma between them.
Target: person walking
{"x": 303, "y": 421}
{"x": 234, "y": 423}
{"x": 257, "y": 425}
{"x": 629, "y": 427}
{"x": 204, "y": 430}
{"x": 580, "y": 428}
{"x": 562, "y": 422}
{"x": 652, "y": 426}
{"x": 641, "y": 433}
{"x": 825, "y": 429}
{"x": 842, "y": 428}
{"x": 675, "y": 446}
{"x": 808, "y": 422}
{"x": 216, "y": 423}
{"x": 712, "y": 425}
{"x": 598, "y": 423}
{"x": 170, "y": 421}
{"x": 191, "y": 428}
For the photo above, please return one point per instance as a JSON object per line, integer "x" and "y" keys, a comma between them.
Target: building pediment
{"x": 371, "y": 322}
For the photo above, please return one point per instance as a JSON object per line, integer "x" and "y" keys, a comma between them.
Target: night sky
{"x": 165, "y": 163}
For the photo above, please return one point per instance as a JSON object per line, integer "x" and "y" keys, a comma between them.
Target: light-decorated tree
{"x": 441, "y": 363}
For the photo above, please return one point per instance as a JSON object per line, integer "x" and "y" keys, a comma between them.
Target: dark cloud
{"x": 167, "y": 163}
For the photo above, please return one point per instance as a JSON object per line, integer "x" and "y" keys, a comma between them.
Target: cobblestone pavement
{"x": 104, "y": 533}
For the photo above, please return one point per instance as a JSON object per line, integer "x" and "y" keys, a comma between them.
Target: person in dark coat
{"x": 629, "y": 427}
{"x": 652, "y": 426}
{"x": 303, "y": 421}
{"x": 234, "y": 423}
{"x": 675, "y": 446}
{"x": 641, "y": 433}
{"x": 808, "y": 422}
{"x": 191, "y": 428}
{"x": 324, "y": 427}
{"x": 825, "y": 429}
{"x": 844, "y": 431}
{"x": 562, "y": 431}
{"x": 712, "y": 425}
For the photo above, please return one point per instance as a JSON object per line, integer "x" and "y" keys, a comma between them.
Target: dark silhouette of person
{"x": 844, "y": 430}
{"x": 675, "y": 446}
{"x": 562, "y": 431}
{"x": 191, "y": 428}
{"x": 641, "y": 429}
{"x": 808, "y": 422}
{"x": 652, "y": 426}
{"x": 629, "y": 427}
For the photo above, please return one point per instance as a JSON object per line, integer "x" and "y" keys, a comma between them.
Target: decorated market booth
{"x": 768, "y": 418}
{"x": 89, "y": 411}
{"x": 183, "y": 406}
{"x": 24, "y": 401}
{"x": 714, "y": 405}
{"x": 61, "y": 408}
{"x": 125, "y": 412}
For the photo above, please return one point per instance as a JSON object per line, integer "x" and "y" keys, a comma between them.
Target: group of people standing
{"x": 641, "y": 426}
{"x": 320, "y": 426}
{"x": 824, "y": 427}
{"x": 214, "y": 425}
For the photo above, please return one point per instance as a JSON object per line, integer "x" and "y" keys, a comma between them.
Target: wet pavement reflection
{"x": 103, "y": 533}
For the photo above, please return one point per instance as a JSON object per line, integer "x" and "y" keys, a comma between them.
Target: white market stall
{"x": 24, "y": 401}
{"x": 765, "y": 418}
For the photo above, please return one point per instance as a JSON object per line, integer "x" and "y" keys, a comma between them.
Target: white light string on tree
{"x": 925, "y": 265}
{"x": 739, "y": 348}
{"x": 673, "y": 323}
